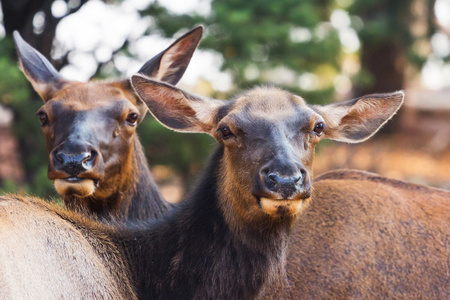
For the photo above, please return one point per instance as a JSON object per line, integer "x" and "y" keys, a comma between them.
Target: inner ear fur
{"x": 175, "y": 108}
{"x": 357, "y": 120}
{"x": 170, "y": 64}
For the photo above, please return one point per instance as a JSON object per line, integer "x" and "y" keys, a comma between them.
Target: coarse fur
{"x": 365, "y": 236}
{"x": 48, "y": 252}
{"x": 95, "y": 157}
{"x": 220, "y": 243}
{"x": 181, "y": 256}
{"x": 385, "y": 234}
{"x": 195, "y": 254}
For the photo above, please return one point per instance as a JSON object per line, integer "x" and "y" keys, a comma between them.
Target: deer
{"x": 362, "y": 235}
{"x": 367, "y": 236}
{"x": 227, "y": 240}
{"x": 95, "y": 157}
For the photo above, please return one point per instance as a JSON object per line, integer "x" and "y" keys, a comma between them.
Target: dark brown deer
{"x": 228, "y": 240}
{"x": 96, "y": 159}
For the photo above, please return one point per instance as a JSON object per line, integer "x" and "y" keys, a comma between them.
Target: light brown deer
{"x": 369, "y": 237}
{"x": 95, "y": 157}
{"x": 228, "y": 240}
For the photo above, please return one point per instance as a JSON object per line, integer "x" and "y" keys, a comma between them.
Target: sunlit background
{"x": 328, "y": 50}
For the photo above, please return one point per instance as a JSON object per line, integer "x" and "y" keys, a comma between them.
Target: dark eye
{"x": 226, "y": 132}
{"x": 43, "y": 118}
{"x": 132, "y": 118}
{"x": 318, "y": 129}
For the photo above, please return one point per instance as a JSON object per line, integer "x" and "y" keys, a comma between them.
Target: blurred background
{"x": 323, "y": 50}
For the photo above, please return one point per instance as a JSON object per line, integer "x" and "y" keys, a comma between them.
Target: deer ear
{"x": 170, "y": 64}
{"x": 38, "y": 70}
{"x": 175, "y": 108}
{"x": 356, "y": 120}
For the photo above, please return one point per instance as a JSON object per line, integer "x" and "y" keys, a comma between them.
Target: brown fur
{"x": 51, "y": 253}
{"x": 223, "y": 244}
{"x": 120, "y": 162}
{"x": 95, "y": 156}
{"x": 362, "y": 236}
{"x": 365, "y": 236}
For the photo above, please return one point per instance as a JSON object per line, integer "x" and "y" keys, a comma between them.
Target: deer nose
{"x": 284, "y": 185}
{"x": 278, "y": 180}
{"x": 74, "y": 163}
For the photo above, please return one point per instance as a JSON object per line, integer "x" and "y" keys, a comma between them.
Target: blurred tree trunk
{"x": 390, "y": 30}
{"x": 386, "y": 64}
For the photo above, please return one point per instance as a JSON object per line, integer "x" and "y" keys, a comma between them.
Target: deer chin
{"x": 79, "y": 188}
{"x": 282, "y": 207}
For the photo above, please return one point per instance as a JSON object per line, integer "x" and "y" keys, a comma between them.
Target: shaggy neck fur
{"x": 138, "y": 198}
{"x": 194, "y": 253}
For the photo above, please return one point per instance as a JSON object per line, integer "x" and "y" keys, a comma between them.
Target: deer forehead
{"x": 271, "y": 104}
{"x": 80, "y": 96}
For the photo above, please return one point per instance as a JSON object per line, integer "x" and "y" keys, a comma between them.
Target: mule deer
{"x": 95, "y": 157}
{"x": 226, "y": 241}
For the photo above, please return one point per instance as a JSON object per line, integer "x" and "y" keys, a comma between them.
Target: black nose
{"x": 74, "y": 163}
{"x": 278, "y": 180}
{"x": 284, "y": 185}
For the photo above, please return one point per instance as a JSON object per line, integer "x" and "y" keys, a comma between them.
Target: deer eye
{"x": 43, "y": 118}
{"x": 132, "y": 118}
{"x": 226, "y": 132}
{"x": 318, "y": 129}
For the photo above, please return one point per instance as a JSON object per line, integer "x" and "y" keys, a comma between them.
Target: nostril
{"x": 303, "y": 172}
{"x": 90, "y": 156}
{"x": 298, "y": 178}
{"x": 302, "y": 176}
{"x": 273, "y": 177}
{"x": 265, "y": 170}
{"x": 59, "y": 156}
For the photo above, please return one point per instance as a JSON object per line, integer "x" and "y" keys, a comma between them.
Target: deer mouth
{"x": 282, "y": 207}
{"x": 75, "y": 186}
{"x": 74, "y": 179}
{"x": 78, "y": 180}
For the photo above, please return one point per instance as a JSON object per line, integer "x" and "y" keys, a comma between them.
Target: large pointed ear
{"x": 356, "y": 120}
{"x": 38, "y": 70}
{"x": 177, "y": 109}
{"x": 170, "y": 64}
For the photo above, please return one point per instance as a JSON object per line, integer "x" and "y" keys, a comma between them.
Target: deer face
{"x": 90, "y": 127}
{"x": 268, "y": 136}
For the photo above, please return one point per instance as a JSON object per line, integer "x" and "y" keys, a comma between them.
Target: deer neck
{"x": 134, "y": 195}
{"x": 144, "y": 201}
{"x": 194, "y": 253}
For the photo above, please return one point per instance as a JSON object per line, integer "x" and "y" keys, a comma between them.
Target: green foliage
{"x": 9, "y": 186}
{"x": 258, "y": 33}
{"x": 186, "y": 153}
